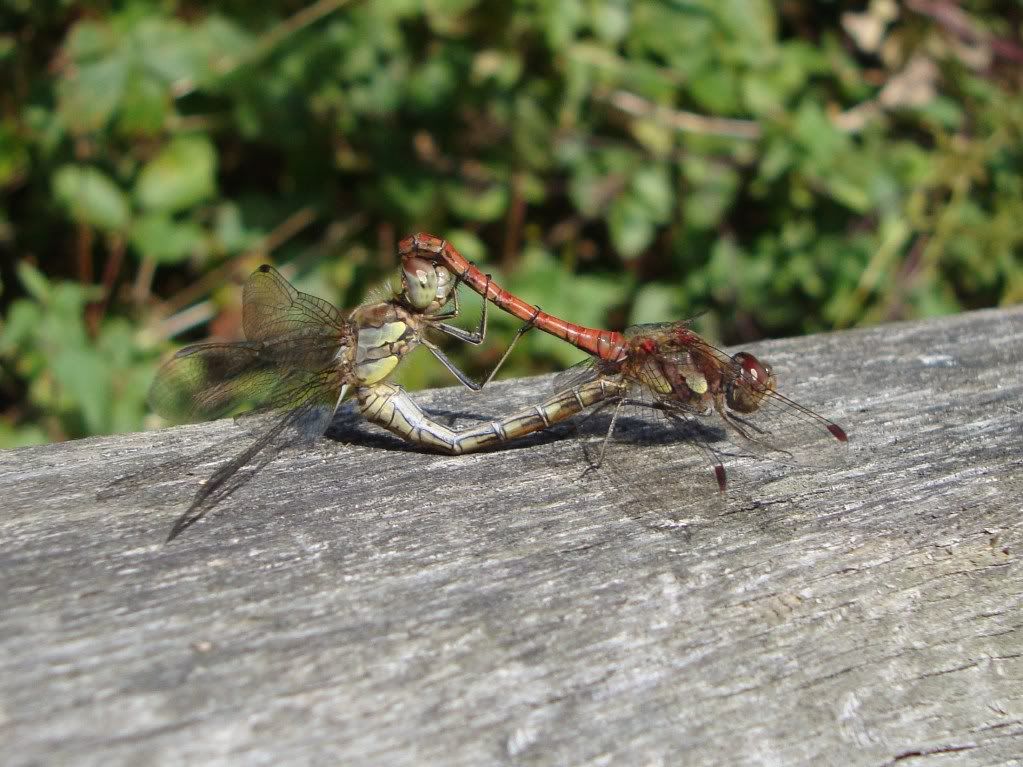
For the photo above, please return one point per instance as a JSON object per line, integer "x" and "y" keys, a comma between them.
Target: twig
{"x": 144, "y": 281}
{"x": 956, "y": 21}
{"x": 98, "y": 309}
{"x": 186, "y": 319}
{"x": 513, "y": 223}
{"x": 686, "y": 122}
{"x": 283, "y": 232}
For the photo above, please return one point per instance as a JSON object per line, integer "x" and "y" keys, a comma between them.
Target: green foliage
{"x": 784, "y": 167}
{"x": 77, "y": 382}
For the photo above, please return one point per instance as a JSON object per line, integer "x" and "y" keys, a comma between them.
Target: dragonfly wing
{"x": 576, "y": 375}
{"x": 311, "y": 413}
{"x": 209, "y": 381}
{"x": 273, "y": 310}
{"x": 655, "y": 328}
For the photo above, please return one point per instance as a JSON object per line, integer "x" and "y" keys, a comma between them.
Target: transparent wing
{"x": 309, "y": 416}
{"x": 209, "y": 381}
{"x": 579, "y": 373}
{"x": 296, "y": 343}
{"x": 294, "y": 364}
{"x": 273, "y": 310}
{"x": 655, "y": 328}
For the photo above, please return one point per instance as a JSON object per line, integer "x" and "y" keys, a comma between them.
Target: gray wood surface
{"x": 364, "y": 604}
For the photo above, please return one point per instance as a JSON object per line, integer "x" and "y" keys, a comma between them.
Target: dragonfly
{"x": 666, "y": 366}
{"x": 302, "y": 357}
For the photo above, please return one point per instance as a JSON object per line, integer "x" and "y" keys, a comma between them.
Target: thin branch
{"x": 686, "y": 122}
{"x": 959, "y": 23}
{"x": 283, "y": 232}
{"x": 112, "y": 268}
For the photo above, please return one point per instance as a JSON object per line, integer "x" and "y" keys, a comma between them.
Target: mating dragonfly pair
{"x": 302, "y": 358}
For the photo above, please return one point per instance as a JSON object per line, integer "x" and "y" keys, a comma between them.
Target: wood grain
{"x": 367, "y": 604}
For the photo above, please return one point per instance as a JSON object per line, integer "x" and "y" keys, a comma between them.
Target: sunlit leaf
{"x": 165, "y": 240}
{"x": 630, "y": 225}
{"x": 182, "y": 174}
{"x": 91, "y": 197}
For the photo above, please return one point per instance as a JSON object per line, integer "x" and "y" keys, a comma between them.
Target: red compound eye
{"x": 751, "y": 385}
{"x": 751, "y": 368}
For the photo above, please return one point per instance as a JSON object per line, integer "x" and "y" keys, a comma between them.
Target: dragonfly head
{"x": 752, "y": 382}
{"x": 425, "y": 283}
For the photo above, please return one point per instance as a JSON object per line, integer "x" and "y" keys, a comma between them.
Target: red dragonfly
{"x": 668, "y": 365}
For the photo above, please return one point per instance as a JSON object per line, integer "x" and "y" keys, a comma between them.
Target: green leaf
{"x": 181, "y": 175}
{"x": 468, "y": 244}
{"x": 22, "y": 322}
{"x": 653, "y": 190}
{"x": 34, "y": 282}
{"x": 91, "y": 197}
{"x": 229, "y": 229}
{"x": 164, "y": 240}
{"x": 14, "y": 155}
{"x": 91, "y": 91}
{"x": 145, "y": 106}
{"x": 630, "y": 225}
{"x": 411, "y": 195}
{"x": 655, "y": 302}
{"x": 561, "y": 21}
{"x": 82, "y": 374}
{"x": 485, "y": 204}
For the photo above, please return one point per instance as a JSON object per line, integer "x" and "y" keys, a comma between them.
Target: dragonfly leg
{"x": 471, "y": 338}
{"x": 477, "y": 336}
{"x": 444, "y": 360}
{"x": 526, "y": 327}
{"x": 607, "y": 437}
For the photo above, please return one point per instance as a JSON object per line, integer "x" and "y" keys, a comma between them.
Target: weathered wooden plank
{"x": 362, "y": 604}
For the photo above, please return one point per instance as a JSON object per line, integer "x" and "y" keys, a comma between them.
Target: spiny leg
{"x": 526, "y": 327}
{"x": 462, "y": 377}
{"x": 607, "y": 437}
{"x": 476, "y": 336}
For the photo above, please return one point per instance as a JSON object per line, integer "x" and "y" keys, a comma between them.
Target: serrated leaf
{"x": 91, "y": 197}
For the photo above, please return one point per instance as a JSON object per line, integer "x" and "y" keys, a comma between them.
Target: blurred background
{"x": 784, "y": 167}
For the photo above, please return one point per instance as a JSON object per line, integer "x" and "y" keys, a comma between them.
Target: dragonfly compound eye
{"x": 445, "y": 284}
{"x": 751, "y": 383}
{"x": 419, "y": 279}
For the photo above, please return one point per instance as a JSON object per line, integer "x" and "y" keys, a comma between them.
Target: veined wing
{"x": 295, "y": 342}
{"x": 273, "y": 310}
{"x": 209, "y": 381}
{"x": 297, "y": 361}
{"x": 311, "y": 402}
